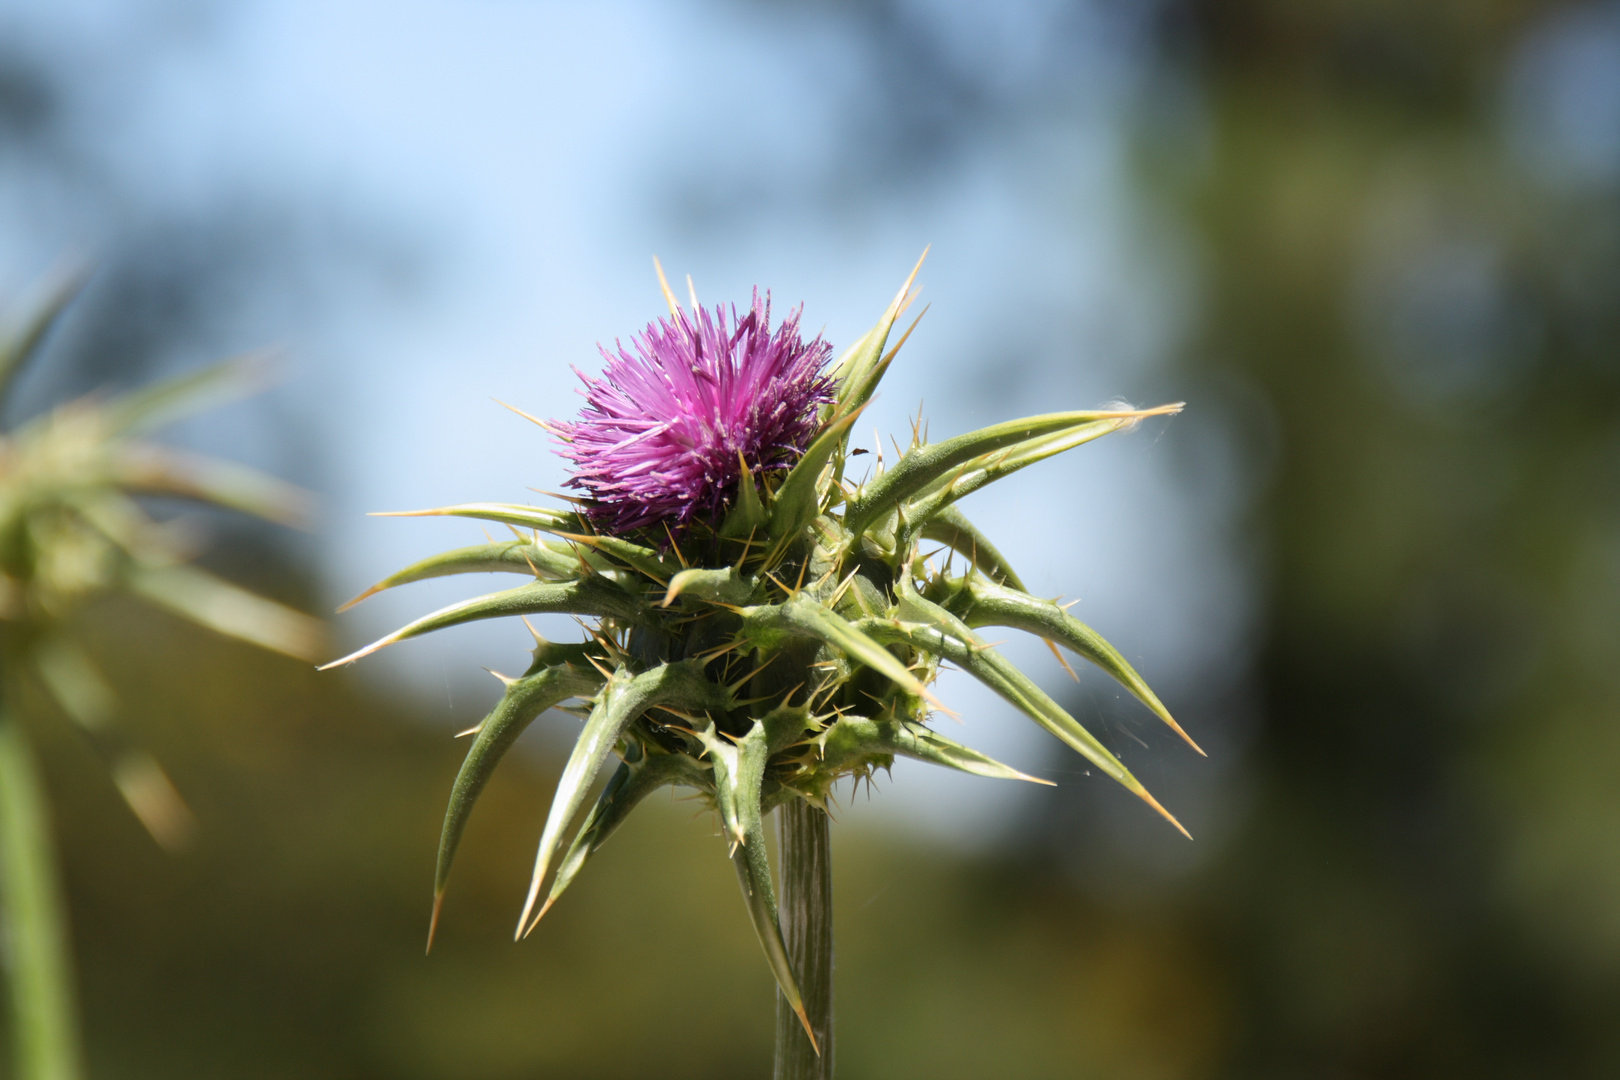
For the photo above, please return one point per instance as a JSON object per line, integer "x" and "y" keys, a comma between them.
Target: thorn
{"x": 747, "y": 546}
{"x": 1050, "y": 644}
{"x": 928, "y": 696}
{"x": 433, "y": 920}
{"x": 805, "y": 1020}
{"x": 663, "y": 283}
{"x": 1175, "y": 727}
{"x": 691, "y": 291}
{"x": 776, "y": 553}
{"x": 475, "y": 729}
{"x": 733, "y": 687}
{"x": 1143, "y": 794}
{"x": 676, "y": 547}
{"x": 901, "y": 302}
{"x": 545, "y": 907}
{"x": 506, "y": 680}
{"x": 373, "y": 591}
{"x": 843, "y": 587}
{"x": 575, "y": 499}
{"x": 718, "y": 651}
{"x": 531, "y": 419}
{"x": 678, "y": 714}
{"x": 523, "y": 931}
{"x": 909, "y": 329}
{"x": 360, "y": 654}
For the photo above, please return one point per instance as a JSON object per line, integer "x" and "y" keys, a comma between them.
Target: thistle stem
{"x": 807, "y": 929}
{"x": 44, "y": 1028}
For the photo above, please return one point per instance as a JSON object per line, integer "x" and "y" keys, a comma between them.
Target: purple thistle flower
{"x": 661, "y": 431}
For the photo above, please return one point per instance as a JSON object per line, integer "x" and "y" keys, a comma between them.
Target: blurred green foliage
{"x": 288, "y": 942}
{"x": 1427, "y": 883}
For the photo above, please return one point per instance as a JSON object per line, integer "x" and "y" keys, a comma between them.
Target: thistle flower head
{"x": 664, "y": 432}
{"x": 790, "y": 649}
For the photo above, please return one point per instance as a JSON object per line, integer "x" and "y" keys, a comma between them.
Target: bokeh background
{"x": 1374, "y": 568}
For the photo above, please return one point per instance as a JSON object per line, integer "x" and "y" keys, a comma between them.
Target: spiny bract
{"x": 761, "y": 655}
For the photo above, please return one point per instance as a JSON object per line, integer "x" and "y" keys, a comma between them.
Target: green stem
{"x": 807, "y": 928}
{"x": 44, "y": 1028}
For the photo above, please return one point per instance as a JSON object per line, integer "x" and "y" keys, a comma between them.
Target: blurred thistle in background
{"x": 71, "y": 530}
{"x": 1376, "y": 245}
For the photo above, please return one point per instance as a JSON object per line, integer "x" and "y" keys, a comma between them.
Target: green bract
{"x": 764, "y": 658}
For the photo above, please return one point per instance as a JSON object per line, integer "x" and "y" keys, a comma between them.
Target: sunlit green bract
{"x": 766, "y": 656}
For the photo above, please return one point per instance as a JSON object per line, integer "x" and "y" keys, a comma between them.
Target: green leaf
{"x": 760, "y": 897}
{"x": 800, "y": 616}
{"x": 165, "y": 402}
{"x": 592, "y": 596}
{"x": 229, "y": 610}
{"x": 855, "y": 737}
{"x": 798, "y": 500}
{"x": 748, "y": 515}
{"x": 523, "y": 701}
{"x": 924, "y": 466}
{"x": 723, "y": 758}
{"x": 161, "y": 471}
{"x": 739, "y": 772}
{"x": 641, "y": 773}
{"x": 988, "y": 468}
{"x": 511, "y": 557}
{"x": 858, "y": 372}
{"x": 844, "y": 366}
{"x": 621, "y": 701}
{"x": 85, "y": 696}
{"x": 566, "y": 524}
{"x": 524, "y": 517}
{"x": 945, "y": 635}
{"x": 950, "y": 526}
{"x": 995, "y": 605}
{"x": 716, "y": 586}
{"x": 632, "y": 555}
{"x": 74, "y": 681}
{"x": 785, "y": 725}
{"x": 20, "y": 341}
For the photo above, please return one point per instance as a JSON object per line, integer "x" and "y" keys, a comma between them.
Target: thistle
{"x": 764, "y": 623}
{"x": 72, "y": 529}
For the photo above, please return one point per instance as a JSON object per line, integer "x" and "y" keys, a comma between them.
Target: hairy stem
{"x": 807, "y": 927}
{"x": 44, "y": 1026}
